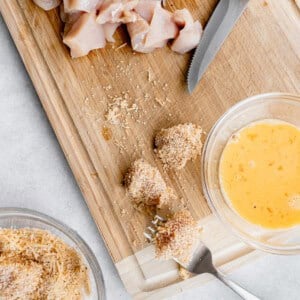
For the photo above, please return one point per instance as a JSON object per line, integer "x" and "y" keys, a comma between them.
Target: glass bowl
{"x": 280, "y": 106}
{"x": 25, "y": 218}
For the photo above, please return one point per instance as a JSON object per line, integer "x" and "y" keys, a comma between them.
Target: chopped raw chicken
{"x": 109, "y": 31}
{"x": 128, "y": 17}
{"x": 145, "y": 8}
{"x": 161, "y": 19}
{"x": 81, "y": 5}
{"x": 62, "y": 13}
{"x": 109, "y": 12}
{"x": 90, "y": 23}
{"x": 47, "y": 4}
{"x": 85, "y": 35}
{"x": 137, "y": 32}
{"x": 112, "y": 10}
{"x": 183, "y": 17}
{"x": 68, "y": 18}
{"x": 189, "y": 36}
{"x": 146, "y": 33}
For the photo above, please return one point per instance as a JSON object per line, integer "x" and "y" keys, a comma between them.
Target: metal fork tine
{"x": 148, "y": 236}
{"x": 151, "y": 229}
{"x": 154, "y": 222}
{"x": 160, "y": 218}
{"x": 200, "y": 262}
{"x": 157, "y": 219}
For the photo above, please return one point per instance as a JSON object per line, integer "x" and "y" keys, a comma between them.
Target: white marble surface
{"x": 34, "y": 174}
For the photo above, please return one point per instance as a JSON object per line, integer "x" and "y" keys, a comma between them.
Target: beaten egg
{"x": 260, "y": 173}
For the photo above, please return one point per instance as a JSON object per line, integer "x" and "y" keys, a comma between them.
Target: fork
{"x": 201, "y": 262}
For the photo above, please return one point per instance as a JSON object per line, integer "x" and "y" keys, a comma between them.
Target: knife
{"x": 217, "y": 29}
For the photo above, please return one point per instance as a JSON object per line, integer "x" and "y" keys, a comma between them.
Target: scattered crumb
{"x": 149, "y": 75}
{"x": 265, "y": 3}
{"x": 177, "y": 237}
{"x": 125, "y": 108}
{"x": 121, "y": 108}
{"x": 178, "y": 144}
{"x": 159, "y": 101}
{"x": 95, "y": 175}
{"x": 106, "y": 133}
{"x": 113, "y": 115}
{"x": 120, "y": 145}
{"x": 145, "y": 184}
{"x": 183, "y": 273}
{"x": 165, "y": 86}
{"x": 107, "y": 87}
{"x": 121, "y": 46}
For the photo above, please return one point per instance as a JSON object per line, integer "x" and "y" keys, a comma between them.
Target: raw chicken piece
{"x": 85, "y": 35}
{"x": 189, "y": 36}
{"x": 109, "y": 31}
{"x": 145, "y": 8}
{"x": 47, "y": 4}
{"x": 112, "y": 10}
{"x": 137, "y": 31}
{"x": 127, "y": 17}
{"x": 162, "y": 28}
{"x": 90, "y": 23}
{"x": 182, "y": 18}
{"x": 68, "y": 18}
{"x": 109, "y": 11}
{"x": 62, "y": 13}
{"x": 81, "y": 5}
{"x": 146, "y": 36}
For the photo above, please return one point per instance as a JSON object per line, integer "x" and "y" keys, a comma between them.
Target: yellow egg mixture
{"x": 260, "y": 173}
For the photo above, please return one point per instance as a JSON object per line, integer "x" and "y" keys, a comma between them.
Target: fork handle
{"x": 235, "y": 287}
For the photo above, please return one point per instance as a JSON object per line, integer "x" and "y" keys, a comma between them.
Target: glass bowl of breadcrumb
{"x": 41, "y": 258}
{"x": 251, "y": 171}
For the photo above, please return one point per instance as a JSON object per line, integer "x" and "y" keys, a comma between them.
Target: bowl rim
{"x": 84, "y": 248}
{"x": 255, "y": 244}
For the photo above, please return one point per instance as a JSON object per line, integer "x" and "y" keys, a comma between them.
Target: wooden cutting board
{"x": 262, "y": 54}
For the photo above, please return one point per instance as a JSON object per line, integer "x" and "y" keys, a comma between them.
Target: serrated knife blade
{"x": 217, "y": 29}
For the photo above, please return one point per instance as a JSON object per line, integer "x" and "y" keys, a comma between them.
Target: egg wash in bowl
{"x": 260, "y": 173}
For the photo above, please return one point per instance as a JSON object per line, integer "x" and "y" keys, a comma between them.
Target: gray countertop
{"x": 34, "y": 174}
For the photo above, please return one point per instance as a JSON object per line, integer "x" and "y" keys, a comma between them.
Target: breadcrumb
{"x": 179, "y": 144}
{"x": 184, "y": 273}
{"x": 177, "y": 237}
{"x": 145, "y": 184}
{"x": 37, "y": 265}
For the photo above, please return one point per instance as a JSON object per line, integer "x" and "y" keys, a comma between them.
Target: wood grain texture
{"x": 262, "y": 54}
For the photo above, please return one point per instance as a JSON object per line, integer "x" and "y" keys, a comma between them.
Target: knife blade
{"x": 217, "y": 29}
